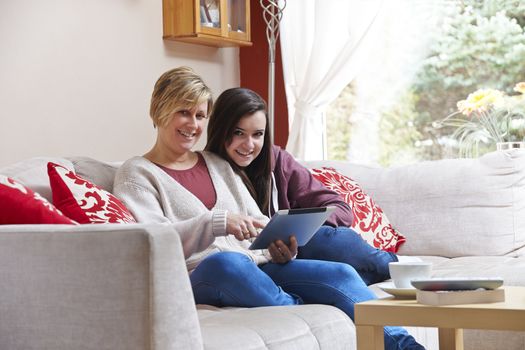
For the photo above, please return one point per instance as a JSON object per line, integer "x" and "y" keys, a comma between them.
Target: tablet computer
{"x": 302, "y": 223}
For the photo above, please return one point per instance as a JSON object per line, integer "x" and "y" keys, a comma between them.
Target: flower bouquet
{"x": 487, "y": 116}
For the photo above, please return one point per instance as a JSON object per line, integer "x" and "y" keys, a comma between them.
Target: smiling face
{"x": 183, "y": 129}
{"x": 247, "y": 139}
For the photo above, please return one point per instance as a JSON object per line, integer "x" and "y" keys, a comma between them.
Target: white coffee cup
{"x": 403, "y": 272}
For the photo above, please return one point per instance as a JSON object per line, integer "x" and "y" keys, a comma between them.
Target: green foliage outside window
{"x": 482, "y": 46}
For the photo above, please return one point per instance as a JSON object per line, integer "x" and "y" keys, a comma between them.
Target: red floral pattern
{"x": 83, "y": 201}
{"x": 21, "y": 205}
{"x": 369, "y": 220}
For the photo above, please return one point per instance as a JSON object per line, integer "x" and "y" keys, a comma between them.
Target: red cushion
{"x": 83, "y": 201}
{"x": 369, "y": 220}
{"x": 21, "y": 205}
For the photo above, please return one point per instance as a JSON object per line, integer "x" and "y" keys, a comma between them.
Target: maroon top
{"x": 197, "y": 180}
{"x": 298, "y": 188}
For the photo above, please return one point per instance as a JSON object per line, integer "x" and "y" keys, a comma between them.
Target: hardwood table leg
{"x": 450, "y": 339}
{"x": 370, "y": 338}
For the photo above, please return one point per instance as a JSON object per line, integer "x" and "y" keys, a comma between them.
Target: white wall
{"x": 76, "y": 76}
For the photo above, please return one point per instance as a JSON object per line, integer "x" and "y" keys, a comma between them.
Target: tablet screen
{"x": 302, "y": 223}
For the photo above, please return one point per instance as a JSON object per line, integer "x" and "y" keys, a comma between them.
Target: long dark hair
{"x": 229, "y": 108}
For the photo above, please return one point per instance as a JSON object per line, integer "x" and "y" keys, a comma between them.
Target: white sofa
{"x": 467, "y": 216}
{"x": 126, "y": 286}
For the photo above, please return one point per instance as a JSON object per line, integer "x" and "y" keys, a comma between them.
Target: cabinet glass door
{"x": 210, "y": 14}
{"x": 237, "y": 21}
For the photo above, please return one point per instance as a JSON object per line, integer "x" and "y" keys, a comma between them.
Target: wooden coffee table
{"x": 371, "y": 316}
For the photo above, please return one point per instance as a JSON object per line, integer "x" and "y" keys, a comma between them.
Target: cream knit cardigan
{"x": 153, "y": 196}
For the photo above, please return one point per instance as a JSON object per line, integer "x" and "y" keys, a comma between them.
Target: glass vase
{"x": 503, "y": 146}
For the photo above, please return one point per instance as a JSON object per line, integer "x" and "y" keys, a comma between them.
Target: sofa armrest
{"x": 95, "y": 287}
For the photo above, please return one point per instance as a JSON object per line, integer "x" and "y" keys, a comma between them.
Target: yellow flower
{"x": 480, "y": 100}
{"x": 520, "y": 87}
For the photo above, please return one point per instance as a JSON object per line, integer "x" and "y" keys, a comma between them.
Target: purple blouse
{"x": 297, "y": 188}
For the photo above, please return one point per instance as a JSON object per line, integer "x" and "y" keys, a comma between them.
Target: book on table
{"x": 455, "y": 297}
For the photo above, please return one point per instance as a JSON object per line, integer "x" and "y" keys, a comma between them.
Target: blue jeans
{"x": 344, "y": 245}
{"x": 233, "y": 279}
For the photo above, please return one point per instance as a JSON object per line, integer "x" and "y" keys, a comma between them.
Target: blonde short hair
{"x": 176, "y": 89}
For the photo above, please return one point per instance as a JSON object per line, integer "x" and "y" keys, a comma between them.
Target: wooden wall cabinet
{"x": 217, "y": 23}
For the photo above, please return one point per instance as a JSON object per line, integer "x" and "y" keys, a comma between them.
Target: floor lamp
{"x": 272, "y": 14}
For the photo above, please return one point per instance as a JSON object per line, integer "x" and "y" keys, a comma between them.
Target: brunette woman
{"x": 238, "y": 132}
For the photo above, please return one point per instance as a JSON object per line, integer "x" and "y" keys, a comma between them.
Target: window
{"x": 477, "y": 44}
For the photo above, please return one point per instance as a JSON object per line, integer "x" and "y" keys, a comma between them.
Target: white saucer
{"x": 401, "y": 293}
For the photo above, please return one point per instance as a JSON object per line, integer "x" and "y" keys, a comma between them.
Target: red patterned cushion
{"x": 369, "y": 220}
{"x": 83, "y": 201}
{"x": 21, "y": 205}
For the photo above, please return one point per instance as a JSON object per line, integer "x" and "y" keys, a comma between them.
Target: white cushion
{"x": 276, "y": 327}
{"x": 100, "y": 173}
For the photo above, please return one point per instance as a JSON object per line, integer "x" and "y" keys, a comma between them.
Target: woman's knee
{"x": 346, "y": 279}
{"x": 333, "y": 271}
{"x": 345, "y": 272}
{"x": 224, "y": 263}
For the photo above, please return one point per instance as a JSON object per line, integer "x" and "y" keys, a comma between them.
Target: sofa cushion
{"x": 369, "y": 219}
{"x": 100, "y": 173}
{"x": 32, "y": 173}
{"x": 83, "y": 201}
{"x": 21, "y": 205}
{"x": 276, "y": 327}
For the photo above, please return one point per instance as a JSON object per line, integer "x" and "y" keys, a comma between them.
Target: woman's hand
{"x": 242, "y": 226}
{"x": 281, "y": 253}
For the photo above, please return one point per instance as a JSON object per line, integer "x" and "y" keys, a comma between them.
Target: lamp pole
{"x": 272, "y": 14}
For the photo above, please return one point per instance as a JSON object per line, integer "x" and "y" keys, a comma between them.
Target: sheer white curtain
{"x": 323, "y": 43}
